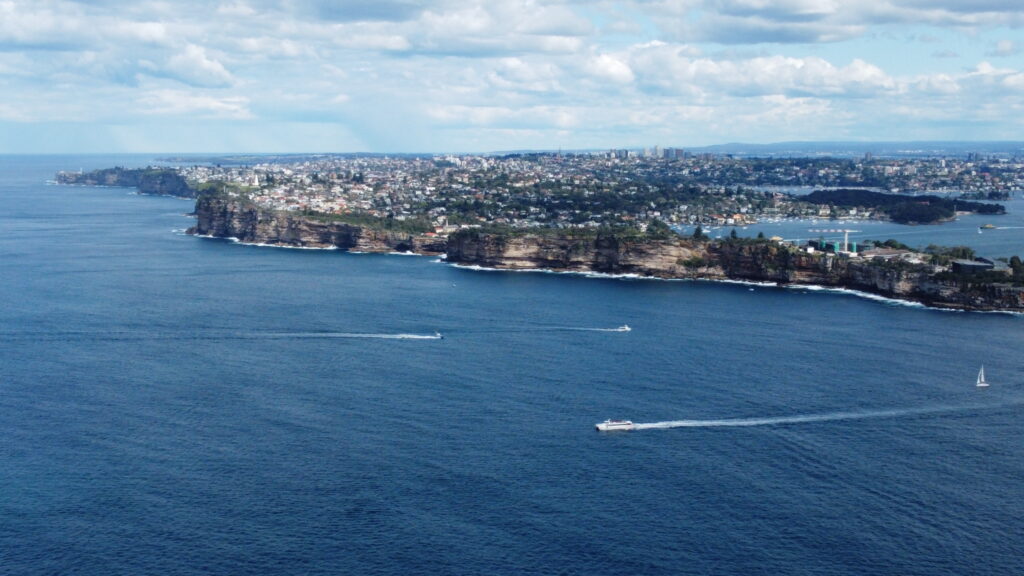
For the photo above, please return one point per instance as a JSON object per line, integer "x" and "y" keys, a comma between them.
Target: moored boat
{"x": 613, "y": 425}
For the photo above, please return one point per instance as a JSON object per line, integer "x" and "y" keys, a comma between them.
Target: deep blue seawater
{"x": 176, "y": 405}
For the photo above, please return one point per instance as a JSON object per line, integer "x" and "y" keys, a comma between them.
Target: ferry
{"x": 612, "y": 425}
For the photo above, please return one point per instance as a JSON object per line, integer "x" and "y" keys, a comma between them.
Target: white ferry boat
{"x": 612, "y": 425}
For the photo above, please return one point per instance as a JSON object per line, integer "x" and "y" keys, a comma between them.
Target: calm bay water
{"x": 174, "y": 405}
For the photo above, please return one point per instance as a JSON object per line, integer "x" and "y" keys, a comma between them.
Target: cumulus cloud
{"x": 609, "y": 68}
{"x": 193, "y": 66}
{"x": 179, "y": 102}
{"x": 488, "y": 28}
{"x": 519, "y": 74}
{"x": 665, "y": 69}
{"x": 40, "y": 27}
{"x": 476, "y": 69}
{"x": 941, "y": 84}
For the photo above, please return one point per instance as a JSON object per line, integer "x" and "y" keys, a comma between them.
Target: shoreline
{"x": 611, "y": 255}
{"x": 809, "y": 288}
{"x": 591, "y": 274}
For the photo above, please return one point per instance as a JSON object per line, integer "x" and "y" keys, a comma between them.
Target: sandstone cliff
{"x": 673, "y": 257}
{"x": 759, "y": 261}
{"x": 225, "y": 217}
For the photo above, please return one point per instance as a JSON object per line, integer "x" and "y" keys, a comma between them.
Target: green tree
{"x": 659, "y": 229}
{"x": 698, "y": 233}
{"x": 1017, "y": 267}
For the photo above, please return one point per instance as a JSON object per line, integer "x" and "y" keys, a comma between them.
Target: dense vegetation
{"x": 902, "y": 209}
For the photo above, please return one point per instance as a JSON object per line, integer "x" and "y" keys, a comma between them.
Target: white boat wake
{"x": 283, "y": 335}
{"x": 809, "y": 418}
{"x": 623, "y": 328}
{"x": 212, "y": 335}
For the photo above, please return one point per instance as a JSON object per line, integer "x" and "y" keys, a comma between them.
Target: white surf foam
{"x": 584, "y": 273}
{"x": 861, "y": 294}
{"x": 283, "y": 246}
{"x": 236, "y": 240}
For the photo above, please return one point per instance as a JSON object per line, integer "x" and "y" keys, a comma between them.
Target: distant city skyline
{"x": 473, "y": 76}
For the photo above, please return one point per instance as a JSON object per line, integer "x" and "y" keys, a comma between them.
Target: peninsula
{"x": 933, "y": 279}
{"x": 369, "y": 208}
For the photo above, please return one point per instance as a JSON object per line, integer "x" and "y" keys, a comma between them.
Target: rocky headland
{"x": 160, "y": 181}
{"x": 225, "y": 217}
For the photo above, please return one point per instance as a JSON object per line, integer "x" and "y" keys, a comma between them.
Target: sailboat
{"x": 981, "y": 378}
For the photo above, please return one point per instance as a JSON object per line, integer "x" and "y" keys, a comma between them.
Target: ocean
{"x": 178, "y": 405}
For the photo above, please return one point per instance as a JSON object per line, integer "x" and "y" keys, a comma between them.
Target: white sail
{"x": 981, "y": 378}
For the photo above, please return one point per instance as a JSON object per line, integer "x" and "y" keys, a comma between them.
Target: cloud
{"x": 1004, "y": 48}
{"x": 493, "y": 28}
{"x": 192, "y": 66}
{"x": 665, "y": 69}
{"x": 817, "y": 21}
{"x": 38, "y": 27}
{"x": 267, "y": 47}
{"x": 519, "y": 74}
{"x": 758, "y": 29}
{"x": 394, "y": 72}
{"x": 777, "y": 10}
{"x": 362, "y": 10}
{"x": 10, "y": 113}
{"x": 506, "y": 117}
{"x": 610, "y": 68}
{"x": 180, "y": 102}
{"x": 936, "y": 84}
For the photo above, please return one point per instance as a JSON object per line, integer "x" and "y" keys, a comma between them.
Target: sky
{"x": 484, "y": 76}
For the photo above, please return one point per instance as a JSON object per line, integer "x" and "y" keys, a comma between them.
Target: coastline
{"x": 591, "y": 254}
{"x": 809, "y": 288}
{"x": 760, "y": 263}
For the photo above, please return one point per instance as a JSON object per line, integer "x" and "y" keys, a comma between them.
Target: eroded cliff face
{"x": 602, "y": 253}
{"x": 740, "y": 260}
{"x": 223, "y": 217}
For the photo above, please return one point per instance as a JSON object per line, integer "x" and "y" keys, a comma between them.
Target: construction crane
{"x": 845, "y": 232}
